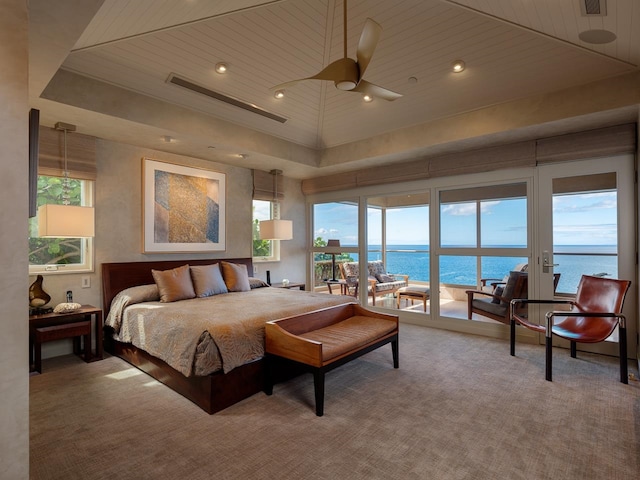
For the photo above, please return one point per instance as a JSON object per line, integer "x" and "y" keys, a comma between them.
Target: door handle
{"x": 547, "y": 266}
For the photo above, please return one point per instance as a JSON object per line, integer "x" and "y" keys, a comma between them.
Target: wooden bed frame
{"x": 213, "y": 392}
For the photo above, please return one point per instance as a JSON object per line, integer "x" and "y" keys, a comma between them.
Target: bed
{"x": 223, "y": 363}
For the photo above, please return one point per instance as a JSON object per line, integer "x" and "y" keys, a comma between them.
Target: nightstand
{"x": 55, "y": 326}
{"x": 289, "y": 285}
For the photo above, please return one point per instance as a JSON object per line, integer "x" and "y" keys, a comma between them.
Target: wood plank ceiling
{"x": 512, "y": 49}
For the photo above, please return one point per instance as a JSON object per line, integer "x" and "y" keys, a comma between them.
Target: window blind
{"x": 264, "y": 186}
{"x": 81, "y": 154}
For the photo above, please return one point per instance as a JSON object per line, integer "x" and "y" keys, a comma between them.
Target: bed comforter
{"x": 203, "y": 335}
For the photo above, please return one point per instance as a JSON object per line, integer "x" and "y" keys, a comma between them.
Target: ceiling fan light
{"x": 346, "y": 85}
{"x": 221, "y": 67}
{"x": 458, "y": 66}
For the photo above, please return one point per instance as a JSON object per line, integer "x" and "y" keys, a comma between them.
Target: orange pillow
{"x": 174, "y": 284}
{"x": 236, "y": 277}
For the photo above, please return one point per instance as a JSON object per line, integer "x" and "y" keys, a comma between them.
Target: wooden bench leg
{"x": 395, "y": 353}
{"x": 318, "y": 383}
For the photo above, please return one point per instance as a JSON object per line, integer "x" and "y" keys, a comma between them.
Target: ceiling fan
{"x": 347, "y": 73}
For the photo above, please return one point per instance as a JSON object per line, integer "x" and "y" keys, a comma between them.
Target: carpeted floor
{"x": 459, "y": 407}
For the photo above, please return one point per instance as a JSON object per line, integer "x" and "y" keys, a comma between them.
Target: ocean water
{"x": 413, "y": 260}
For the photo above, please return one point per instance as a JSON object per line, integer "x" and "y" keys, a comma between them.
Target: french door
{"x": 585, "y": 223}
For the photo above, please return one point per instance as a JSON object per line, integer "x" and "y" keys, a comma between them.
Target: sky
{"x": 578, "y": 219}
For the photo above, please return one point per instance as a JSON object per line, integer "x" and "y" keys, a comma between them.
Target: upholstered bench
{"x": 325, "y": 339}
{"x": 413, "y": 292}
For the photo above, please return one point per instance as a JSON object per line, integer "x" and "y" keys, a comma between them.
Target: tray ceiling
{"x": 513, "y": 49}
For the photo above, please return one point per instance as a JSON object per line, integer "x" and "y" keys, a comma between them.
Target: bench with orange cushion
{"x": 326, "y": 339}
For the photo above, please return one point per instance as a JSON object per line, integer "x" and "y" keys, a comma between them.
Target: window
{"x": 488, "y": 221}
{"x": 585, "y": 228}
{"x": 60, "y": 255}
{"x": 334, "y": 221}
{"x": 263, "y": 250}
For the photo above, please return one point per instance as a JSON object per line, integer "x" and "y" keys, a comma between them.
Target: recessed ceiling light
{"x": 242, "y": 155}
{"x": 458, "y": 66}
{"x": 221, "y": 67}
{"x": 597, "y": 37}
{"x": 279, "y": 94}
{"x": 167, "y": 139}
{"x": 367, "y": 98}
{"x": 412, "y": 80}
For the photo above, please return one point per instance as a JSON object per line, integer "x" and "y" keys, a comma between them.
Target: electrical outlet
{"x": 86, "y": 282}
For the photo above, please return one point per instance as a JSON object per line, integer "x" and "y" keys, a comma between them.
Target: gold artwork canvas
{"x": 184, "y": 208}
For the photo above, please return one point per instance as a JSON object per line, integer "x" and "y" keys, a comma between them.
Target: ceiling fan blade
{"x": 343, "y": 69}
{"x": 367, "y": 44}
{"x": 376, "y": 91}
{"x": 284, "y": 85}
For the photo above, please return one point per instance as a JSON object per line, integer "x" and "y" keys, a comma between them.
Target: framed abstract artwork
{"x": 183, "y": 208}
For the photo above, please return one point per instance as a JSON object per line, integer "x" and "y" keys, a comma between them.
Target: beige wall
{"x": 14, "y": 174}
{"x": 118, "y": 202}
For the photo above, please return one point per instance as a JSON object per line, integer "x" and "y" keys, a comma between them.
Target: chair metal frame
{"x": 549, "y": 331}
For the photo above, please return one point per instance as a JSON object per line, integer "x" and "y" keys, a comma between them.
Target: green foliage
{"x": 319, "y": 257}
{"x": 261, "y": 248}
{"x": 323, "y": 261}
{"x": 54, "y": 250}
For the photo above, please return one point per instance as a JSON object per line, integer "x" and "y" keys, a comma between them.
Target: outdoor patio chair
{"x": 379, "y": 281}
{"x": 495, "y": 305}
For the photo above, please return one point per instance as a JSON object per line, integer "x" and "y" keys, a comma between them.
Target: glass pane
{"x": 503, "y": 223}
{"x": 261, "y": 211}
{"x": 458, "y": 270}
{"x": 336, "y": 221}
{"x": 408, "y": 242}
{"x": 56, "y": 251}
{"x": 496, "y": 269}
{"x": 333, "y": 221}
{"x": 585, "y": 237}
{"x": 458, "y": 225}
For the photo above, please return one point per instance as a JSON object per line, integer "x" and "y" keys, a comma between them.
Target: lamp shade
{"x": 276, "y": 230}
{"x": 333, "y": 243}
{"x": 65, "y": 221}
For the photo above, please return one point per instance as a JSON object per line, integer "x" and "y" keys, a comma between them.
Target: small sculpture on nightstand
{"x": 38, "y": 298}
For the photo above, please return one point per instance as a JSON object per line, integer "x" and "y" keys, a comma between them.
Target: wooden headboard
{"x": 119, "y": 276}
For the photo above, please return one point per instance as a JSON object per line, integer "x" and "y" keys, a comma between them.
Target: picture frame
{"x": 184, "y": 208}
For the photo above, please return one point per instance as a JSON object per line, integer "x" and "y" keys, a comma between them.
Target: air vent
{"x": 593, "y": 8}
{"x": 181, "y": 82}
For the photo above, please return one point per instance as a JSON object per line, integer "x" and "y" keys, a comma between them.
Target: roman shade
{"x": 81, "y": 154}
{"x": 264, "y": 186}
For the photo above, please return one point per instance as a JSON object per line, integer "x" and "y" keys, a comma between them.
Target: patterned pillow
{"x": 174, "y": 284}
{"x": 384, "y": 278}
{"x": 376, "y": 268}
{"x": 207, "y": 280}
{"x": 350, "y": 269}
